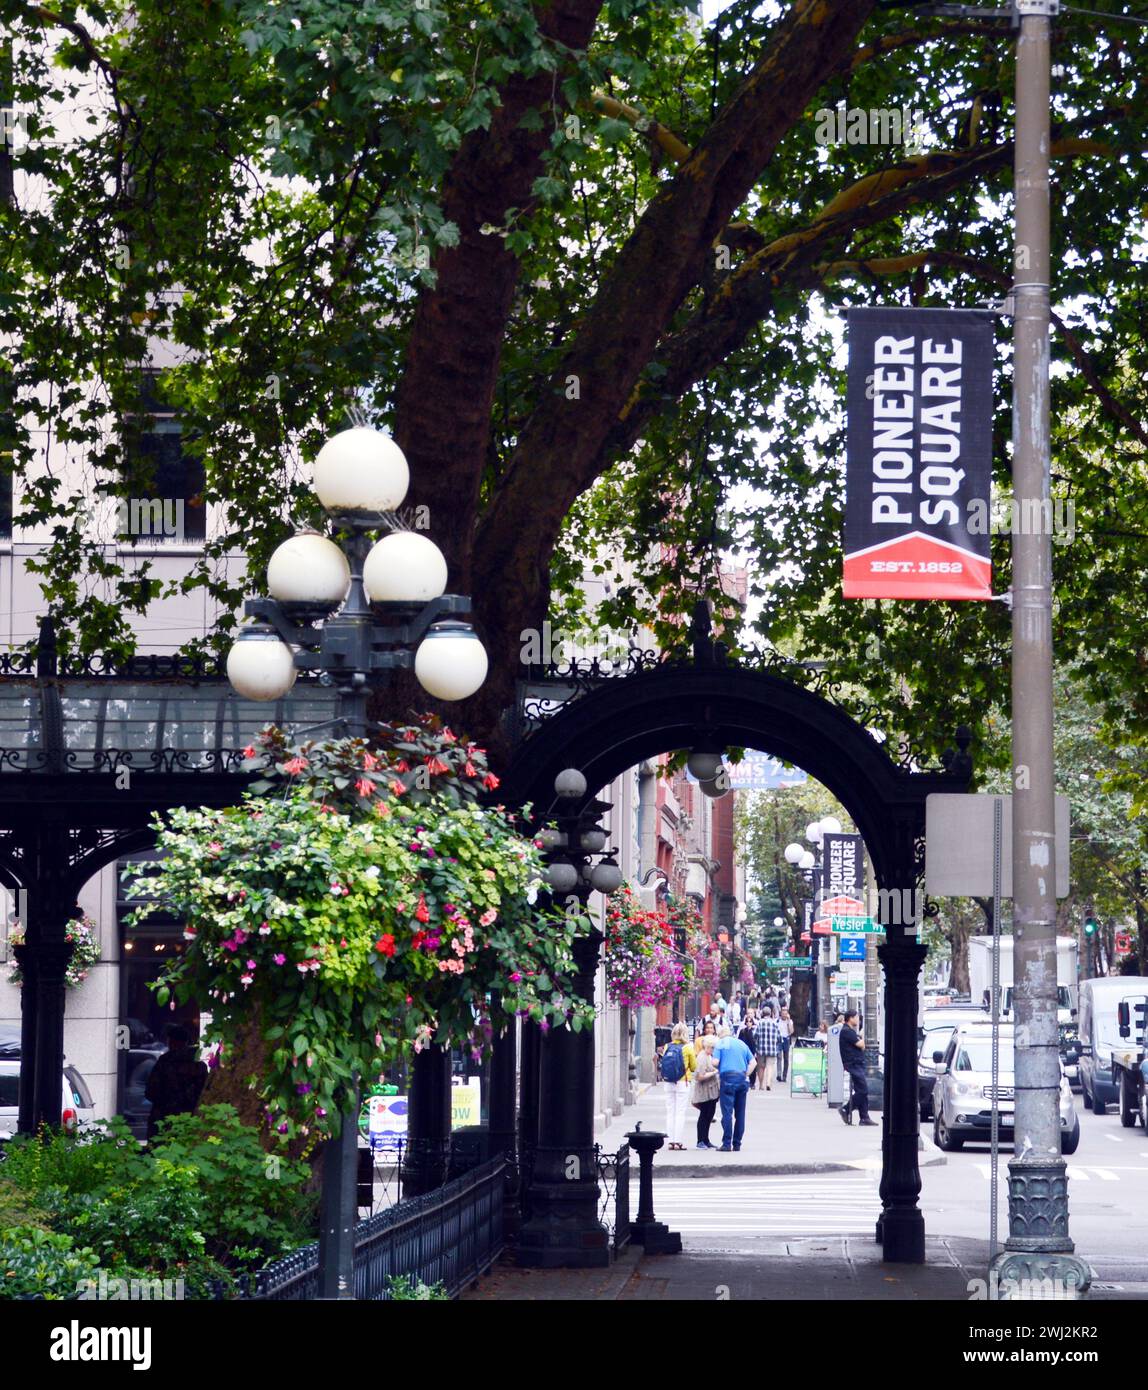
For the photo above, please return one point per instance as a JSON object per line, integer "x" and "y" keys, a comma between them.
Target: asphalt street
{"x": 1107, "y": 1197}
{"x": 774, "y": 1213}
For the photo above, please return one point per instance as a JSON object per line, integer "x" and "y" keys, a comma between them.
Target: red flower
{"x": 402, "y": 766}
{"x": 418, "y": 939}
{"x": 422, "y": 912}
{"x": 436, "y": 765}
{"x": 469, "y": 770}
{"x": 398, "y": 788}
{"x": 385, "y": 945}
{"x": 249, "y": 751}
{"x": 365, "y": 787}
{"x": 490, "y": 781}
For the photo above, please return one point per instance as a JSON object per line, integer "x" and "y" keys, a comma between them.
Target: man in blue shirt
{"x": 735, "y": 1066}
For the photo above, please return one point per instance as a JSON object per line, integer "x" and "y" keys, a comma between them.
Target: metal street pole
{"x": 1038, "y": 1248}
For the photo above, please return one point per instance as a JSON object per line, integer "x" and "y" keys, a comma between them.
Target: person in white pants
{"x": 678, "y": 1092}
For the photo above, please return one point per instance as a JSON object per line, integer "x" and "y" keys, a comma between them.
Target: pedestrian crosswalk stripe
{"x": 813, "y": 1205}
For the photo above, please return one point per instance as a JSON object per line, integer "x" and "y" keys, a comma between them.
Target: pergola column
{"x": 49, "y": 905}
{"x": 901, "y": 1228}
{"x": 428, "y": 1122}
{"x": 563, "y": 1230}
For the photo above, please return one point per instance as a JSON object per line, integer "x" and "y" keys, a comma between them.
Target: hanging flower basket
{"x": 83, "y": 935}
{"x": 642, "y": 967}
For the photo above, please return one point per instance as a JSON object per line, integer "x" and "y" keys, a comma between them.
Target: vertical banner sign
{"x": 919, "y": 453}
{"x": 842, "y": 864}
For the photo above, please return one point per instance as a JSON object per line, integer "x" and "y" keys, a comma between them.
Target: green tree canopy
{"x": 586, "y": 260}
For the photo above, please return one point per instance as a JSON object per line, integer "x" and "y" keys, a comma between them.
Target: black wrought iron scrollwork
{"x": 570, "y": 680}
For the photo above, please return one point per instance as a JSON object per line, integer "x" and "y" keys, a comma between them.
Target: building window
{"x": 164, "y": 498}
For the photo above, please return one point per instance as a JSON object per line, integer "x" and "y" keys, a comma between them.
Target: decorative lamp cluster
{"x": 578, "y": 837}
{"x": 360, "y": 476}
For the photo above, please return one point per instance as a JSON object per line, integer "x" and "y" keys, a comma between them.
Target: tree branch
{"x": 561, "y": 445}
{"x": 646, "y": 126}
{"x": 444, "y": 406}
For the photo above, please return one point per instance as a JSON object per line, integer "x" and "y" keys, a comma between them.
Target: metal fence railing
{"x": 614, "y": 1193}
{"x": 449, "y": 1236}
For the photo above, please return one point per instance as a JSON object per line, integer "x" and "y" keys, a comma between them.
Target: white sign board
{"x": 959, "y": 845}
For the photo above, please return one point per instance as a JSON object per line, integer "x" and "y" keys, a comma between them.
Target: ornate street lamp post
{"x": 355, "y": 616}
{"x": 562, "y": 1227}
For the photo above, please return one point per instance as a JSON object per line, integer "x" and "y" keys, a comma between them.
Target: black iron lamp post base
{"x": 563, "y": 1230}
{"x": 1038, "y": 1261}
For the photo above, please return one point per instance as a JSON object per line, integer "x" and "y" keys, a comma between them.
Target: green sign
{"x": 807, "y": 1071}
{"x": 786, "y": 962}
{"x": 854, "y": 926}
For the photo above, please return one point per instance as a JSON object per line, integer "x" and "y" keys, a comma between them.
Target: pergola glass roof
{"x": 62, "y": 725}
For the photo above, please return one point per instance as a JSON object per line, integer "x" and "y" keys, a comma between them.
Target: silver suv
{"x": 962, "y": 1092}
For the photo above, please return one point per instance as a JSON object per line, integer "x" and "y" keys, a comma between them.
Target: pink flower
{"x": 516, "y": 976}
{"x": 230, "y": 946}
{"x": 370, "y": 762}
{"x": 265, "y": 929}
{"x": 295, "y": 765}
{"x": 251, "y": 965}
{"x": 487, "y": 917}
{"x": 365, "y": 787}
{"x": 249, "y": 751}
{"x": 279, "y": 958}
{"x": 189, "y": 933}
{"x": 246, "y": 979}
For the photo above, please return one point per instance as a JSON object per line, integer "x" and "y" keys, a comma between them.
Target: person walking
{"x": 746, "y": 1033}
{"x": 176, "y": 1081}
{"x": 853, "y": 1060}
{"x": 766, "y": 1045}
{"x": 735, "y": 1067}
{"x": 706, "y": 1089}
{"x": 785, "y": 1028}
{"x": 678, "y": 1065}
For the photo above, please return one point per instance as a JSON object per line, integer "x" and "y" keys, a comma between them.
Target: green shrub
{"x": 18, "y": 1209}
{"x": 154, "y": 1224}
{"x": 206, "y": 1200}
{"x": 405, "y": 1288}
{"x": 254, "y": 1205}
{"x": 41, "y": 1264}
{"x": 88, "y": 1162}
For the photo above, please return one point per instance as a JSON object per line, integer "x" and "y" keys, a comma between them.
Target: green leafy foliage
{"x": 353, "y": 939}
{"x": 203, "y": 1204}
{"x": 35, "y": 1263}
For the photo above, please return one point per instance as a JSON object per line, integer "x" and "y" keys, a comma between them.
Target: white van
{"x": 1100, "y": 1034}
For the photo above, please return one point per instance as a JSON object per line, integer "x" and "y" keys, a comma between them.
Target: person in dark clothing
{"x": 853, "y": 1060}
{"x": 176, "y": 1081}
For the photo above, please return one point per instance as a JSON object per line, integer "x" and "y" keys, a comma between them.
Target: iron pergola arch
{"x": 605, "y": 723}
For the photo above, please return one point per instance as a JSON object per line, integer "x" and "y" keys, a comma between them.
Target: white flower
{"x": 373, "y": 871}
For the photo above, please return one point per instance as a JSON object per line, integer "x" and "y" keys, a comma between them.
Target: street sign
{"x": 852, "y": 948}
{"x": 786, "y": 962}
{"x": 959, "y": 845}
{"x": 850, "y": 925}
{"x": 1123, "y": 944}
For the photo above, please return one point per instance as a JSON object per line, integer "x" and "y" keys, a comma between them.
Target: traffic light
{"x": 1090, "y": 925}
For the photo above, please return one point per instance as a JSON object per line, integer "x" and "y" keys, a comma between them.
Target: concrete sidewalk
{"x": 811, "y": 1269}
{"x": 783, "y": 1134}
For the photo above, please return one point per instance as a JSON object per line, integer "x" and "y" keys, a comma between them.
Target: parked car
{"x": 962, "y": 1093}
{"x": 935, "y": 1037}
{"x": 77, "y": 1109}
